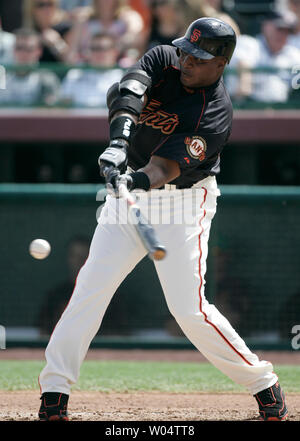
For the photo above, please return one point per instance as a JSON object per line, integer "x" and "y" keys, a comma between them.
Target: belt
{"x": 198, "y": 184}
{"x": 169, "y": 187}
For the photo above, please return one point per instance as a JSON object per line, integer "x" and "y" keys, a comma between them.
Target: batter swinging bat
{"x": 156, "y": 251}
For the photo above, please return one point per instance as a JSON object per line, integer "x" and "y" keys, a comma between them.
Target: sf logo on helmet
{"x": 195, "y": 35}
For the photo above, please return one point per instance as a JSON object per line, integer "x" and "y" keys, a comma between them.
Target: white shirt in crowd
{"x": 68, "y": 5}
{"x": 88, "y": 88}
{"x": 7, "y": 42}
{"x": 30, "y": 89}
{"x": 266, "y": 87}
{"x": 294, "y": 40}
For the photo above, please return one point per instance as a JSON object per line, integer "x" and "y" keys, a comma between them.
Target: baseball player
{"x": 170, "y": 117}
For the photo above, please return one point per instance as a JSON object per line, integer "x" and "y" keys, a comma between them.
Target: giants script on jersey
{"x": 159, "y": 119}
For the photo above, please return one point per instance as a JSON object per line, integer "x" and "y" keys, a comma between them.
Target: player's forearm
{"x": 161, "y": 171}
{"x": 125, "y": 114}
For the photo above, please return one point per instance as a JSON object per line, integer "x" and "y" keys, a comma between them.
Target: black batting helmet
{"x": 207, "y": 38}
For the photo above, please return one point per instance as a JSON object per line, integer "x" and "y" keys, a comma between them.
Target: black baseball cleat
{"x": 271, "y": 404}
{"x": 54, "y": 407}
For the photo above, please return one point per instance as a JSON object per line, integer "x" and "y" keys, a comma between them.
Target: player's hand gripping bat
{"x": 156, "y": 251}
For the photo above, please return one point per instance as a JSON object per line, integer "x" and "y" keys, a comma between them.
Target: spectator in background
{"x": 294, "y": 40}
{"x": 170, "y": 18}
{"x": 75, "y": 7}
{"x": 68, "y": 5}
{"x": 117, "y": 318}
{"x": 114, "y": 17}
{"x": 7, "y": 41}
{"x": 270, "y": 49}
{"x": 45, "y": 173}
{"x": 143, "y": 8}
{"x": 88, "y": 88}
{"x": 54, "y": 26}
{"x": 28, "y": 86}
{"x": 208, "y": 8}
{"x": 58, "y": 297}
{"x": 168, "y": 22}
{"x": 232, "y": 296}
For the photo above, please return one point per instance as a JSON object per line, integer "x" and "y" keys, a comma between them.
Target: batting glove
{"x": 114, "y": 179}
{"x": 114, "y": 156}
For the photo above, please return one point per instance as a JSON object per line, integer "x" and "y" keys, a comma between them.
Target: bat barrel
{"x": 159, "y": 253}
{"x": 156, "y": 251}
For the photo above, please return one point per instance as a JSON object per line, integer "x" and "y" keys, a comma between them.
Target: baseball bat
{"x": 146, "y": 232}
{"x": 156, "y": 251}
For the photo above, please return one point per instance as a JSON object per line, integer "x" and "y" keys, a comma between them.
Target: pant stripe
{"x": 201, "y": 283}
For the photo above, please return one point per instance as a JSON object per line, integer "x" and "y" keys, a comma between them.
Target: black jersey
{"x": 190, "y": 126}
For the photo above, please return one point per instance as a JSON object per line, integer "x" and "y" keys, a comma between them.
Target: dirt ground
{"x": 144, "y": 406}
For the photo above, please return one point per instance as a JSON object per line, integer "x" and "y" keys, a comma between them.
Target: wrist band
{"x": 140, "y": 180}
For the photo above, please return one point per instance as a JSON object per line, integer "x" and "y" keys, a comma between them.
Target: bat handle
{"x": 125, "y": 194}
{"x": 156, "y": 251}
{"x": 107, "y": 169}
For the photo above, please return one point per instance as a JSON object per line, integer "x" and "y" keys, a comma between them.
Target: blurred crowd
{"x": 97, "y": 39}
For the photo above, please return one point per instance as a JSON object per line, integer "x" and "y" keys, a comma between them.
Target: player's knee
{"x": 187, "y": 318}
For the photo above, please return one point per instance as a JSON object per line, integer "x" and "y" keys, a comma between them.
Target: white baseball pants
{"x": 115, "y": 250}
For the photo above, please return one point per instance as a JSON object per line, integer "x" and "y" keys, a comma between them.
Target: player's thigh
{"x": 114, "y": 249}
{"x": 182, "y": 272}
{"x": 179, "y": 275}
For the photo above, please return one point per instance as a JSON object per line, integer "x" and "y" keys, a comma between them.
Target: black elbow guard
{"x": 128, "y": 95}
{"x": 112, "y": 94}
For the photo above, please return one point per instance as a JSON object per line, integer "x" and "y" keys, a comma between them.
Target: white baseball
{"x": 39, "y": 248}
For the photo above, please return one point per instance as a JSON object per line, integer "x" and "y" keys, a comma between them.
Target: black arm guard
{"x": 122, "y": 127}
{"x": 128, "y": 95}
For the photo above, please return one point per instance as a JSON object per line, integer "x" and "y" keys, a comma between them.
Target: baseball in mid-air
{"x": 39, "y": 248}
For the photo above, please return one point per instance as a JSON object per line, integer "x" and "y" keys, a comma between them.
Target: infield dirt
{"x": 144, "y": 406}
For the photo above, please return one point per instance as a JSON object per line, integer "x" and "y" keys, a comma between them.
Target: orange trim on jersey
{"x": 202, "y": 111}
{"x": 171, "y": 66}
{"x": 201, "y": 283}
{"x": 159, "y": 145}
{"x": 159, "y": 119}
